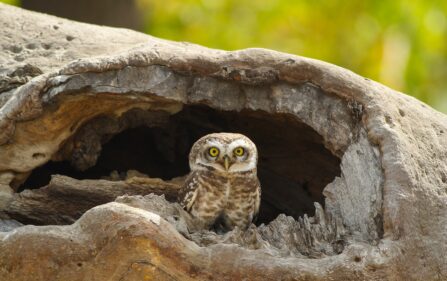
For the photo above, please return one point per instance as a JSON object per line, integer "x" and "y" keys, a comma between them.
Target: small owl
{"x": 222, "y": 187}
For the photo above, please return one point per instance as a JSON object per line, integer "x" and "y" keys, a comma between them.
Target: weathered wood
{"x": 314, "y": 237}
{"x": 8, "y": 225}
{"x": 65, "y": 199}
{"x": 384, "y": 215}
{"x": 118, "y": 242}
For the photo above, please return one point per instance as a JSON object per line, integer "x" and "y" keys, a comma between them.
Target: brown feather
{"x": 210, "y": 194}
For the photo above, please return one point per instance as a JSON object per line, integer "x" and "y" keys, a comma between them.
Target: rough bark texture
{"x": 64, "y": 199}
{"x": 384, "y": 212}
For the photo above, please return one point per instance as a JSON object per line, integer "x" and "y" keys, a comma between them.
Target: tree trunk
{"x": 353, "y": 174}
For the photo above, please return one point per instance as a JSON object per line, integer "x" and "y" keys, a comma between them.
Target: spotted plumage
{"x": 223, "y": 187}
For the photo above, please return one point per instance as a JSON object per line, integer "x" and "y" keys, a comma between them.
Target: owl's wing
{"x": 257, "y": 200}
{"x": 188, "y": 192}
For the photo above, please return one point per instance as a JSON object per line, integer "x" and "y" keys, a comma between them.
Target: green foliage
{"x": 11, "y": 2}
{"x": 399, "y": 43}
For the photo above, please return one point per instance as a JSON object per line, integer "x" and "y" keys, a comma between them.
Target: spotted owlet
{"x": 223, "y": 187}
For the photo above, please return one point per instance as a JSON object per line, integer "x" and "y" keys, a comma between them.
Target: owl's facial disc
{"x": 216, "y": 156}
{"x": 226, "y": 161}
{"x": 235, "y": 157}
{"x": 225, "y": 155}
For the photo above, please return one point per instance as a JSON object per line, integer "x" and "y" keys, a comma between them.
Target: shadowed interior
{"x": 294, "y": 166}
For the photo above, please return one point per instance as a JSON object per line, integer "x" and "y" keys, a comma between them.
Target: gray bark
{"x": 385, "y": 207}
{"x": 65, "y": 199}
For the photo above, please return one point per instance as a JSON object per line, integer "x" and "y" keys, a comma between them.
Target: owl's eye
{"x": 239, "y": 151}
{"x": 213, "y": 151}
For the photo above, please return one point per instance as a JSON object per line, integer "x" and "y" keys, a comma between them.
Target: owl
{"x": 222, "y": 189}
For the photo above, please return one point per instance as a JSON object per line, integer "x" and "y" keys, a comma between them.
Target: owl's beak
{"x": 226, "y": 162}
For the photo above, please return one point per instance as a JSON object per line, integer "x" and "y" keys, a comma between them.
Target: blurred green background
{"x": 401, "y": 44}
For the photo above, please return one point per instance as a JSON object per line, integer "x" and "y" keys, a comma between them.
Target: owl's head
{"x": 223, "y": 152}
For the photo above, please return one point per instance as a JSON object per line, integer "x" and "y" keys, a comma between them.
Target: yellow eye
{"x": 239, "y": 151}
{"x": 213, "y": 151}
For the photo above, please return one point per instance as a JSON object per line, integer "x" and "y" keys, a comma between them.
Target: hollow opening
{"x": 294, "y": 166}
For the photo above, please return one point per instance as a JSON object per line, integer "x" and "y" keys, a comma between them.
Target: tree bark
{"x": 372, "y": 159}
{"x": 65, "y": 199}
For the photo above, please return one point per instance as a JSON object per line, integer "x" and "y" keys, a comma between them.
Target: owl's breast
{"x": 231, "y": 197}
